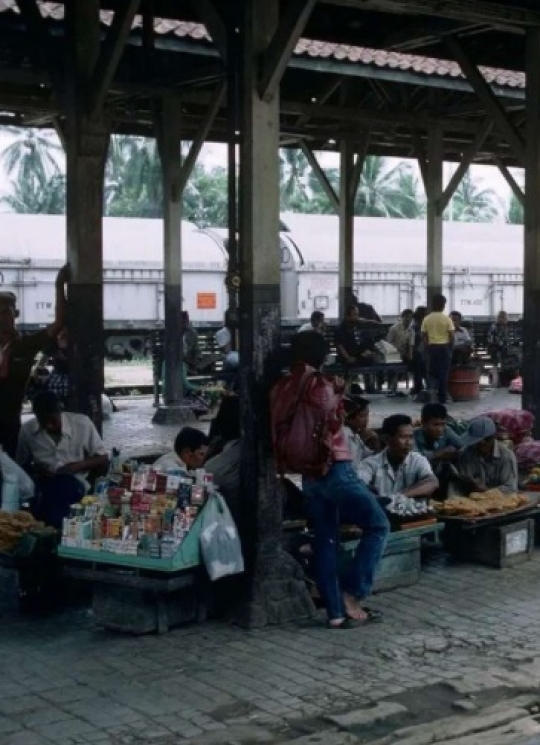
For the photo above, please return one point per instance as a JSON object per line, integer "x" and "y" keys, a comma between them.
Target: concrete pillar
{"x": 531, "y": 283}
{"x": 86, "y": 142}
{"x": 434, "y": 190}
{"x": 346, "y": 226}
{"x": 169, "y": 143}
{"x": 276, "y": 592}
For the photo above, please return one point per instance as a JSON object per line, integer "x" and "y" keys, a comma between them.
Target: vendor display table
{"x": 142, "y": 595}
{"x": 500, "y": 540}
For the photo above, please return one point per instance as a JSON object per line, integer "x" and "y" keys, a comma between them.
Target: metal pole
{"x": 531, "y": 283}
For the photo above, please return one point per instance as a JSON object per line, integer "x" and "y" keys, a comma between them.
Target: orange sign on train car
{"x": 206, "y": 301}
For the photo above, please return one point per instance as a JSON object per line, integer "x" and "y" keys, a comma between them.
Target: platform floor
{"x": 132, "y": 430}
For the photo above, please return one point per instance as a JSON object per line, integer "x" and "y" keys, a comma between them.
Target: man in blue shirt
{"x": 434, "y": 438}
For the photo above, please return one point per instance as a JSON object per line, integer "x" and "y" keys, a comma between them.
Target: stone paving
{"x": 456, "y": 661}
{"x": 465, "y": 637}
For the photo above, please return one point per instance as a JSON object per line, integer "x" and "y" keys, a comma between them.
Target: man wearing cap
{"x": 484, "y": 462}
{"x": 17, "y": 355}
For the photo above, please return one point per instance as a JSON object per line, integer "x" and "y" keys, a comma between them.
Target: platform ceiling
{"x": 383, "y": 66}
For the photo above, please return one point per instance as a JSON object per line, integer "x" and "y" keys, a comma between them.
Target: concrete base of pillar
{"x": 173, "y": 415}
{"x": 279, "y": 593}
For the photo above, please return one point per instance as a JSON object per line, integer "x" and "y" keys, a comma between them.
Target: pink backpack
{"x": 301, "y": 428}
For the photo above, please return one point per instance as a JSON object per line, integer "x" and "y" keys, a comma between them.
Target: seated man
{"x": 485, "y": 463}
{"x": 190, "y": 448}
{"x": 463, "y": 346}
{"x": 398, "y": 470}
{"x": 316, "y": 323}
{"x": 434, "y": 438}
{"x": 60, "y": 449}
{"x": 362, "y": 441}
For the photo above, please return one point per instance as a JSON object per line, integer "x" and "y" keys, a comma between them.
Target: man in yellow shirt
{"x": 438, "y": 336}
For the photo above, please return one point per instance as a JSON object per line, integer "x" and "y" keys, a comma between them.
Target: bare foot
{"x": 353, "y": 608}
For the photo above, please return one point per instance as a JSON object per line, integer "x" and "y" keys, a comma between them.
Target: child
{"x": 362, "y": 441}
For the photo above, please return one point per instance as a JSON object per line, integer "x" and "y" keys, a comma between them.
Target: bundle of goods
{"x": 406, "y": 508}
{"x": 480, "y": 504}
{"x": 528, "y": 457}
{"x": 137, "y": 511}
{"x": 517, "y": 423}
{"x": 15, "y": 525}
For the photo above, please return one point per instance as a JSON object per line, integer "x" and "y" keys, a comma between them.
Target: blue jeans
{"x": 341, "y": 494}
{"x": 439, "y": 359}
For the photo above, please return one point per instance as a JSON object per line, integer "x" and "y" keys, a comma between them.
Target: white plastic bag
{"x": 220, "y": 543}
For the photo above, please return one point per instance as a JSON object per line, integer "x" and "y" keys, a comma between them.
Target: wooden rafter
{"x": 510, "y": 180}
{"x": 198, "y": 142}
{"x": 40, "y": 46}
{"x": 474, "y": 11}
{"x": 488, "y": 98}
{"x": 321, "y": 175}
{"x": 463, "y": 167}
{"x": 361, "y": 156}
{"x": 213, "y": 21}
{"x": 109, "y": 57}
{"x": 282, "y": 44}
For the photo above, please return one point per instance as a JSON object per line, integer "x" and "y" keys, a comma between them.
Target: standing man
{"x": 17, "y": 355}
{"x": 438, "y": 338}
{"x": 401, "y": 337}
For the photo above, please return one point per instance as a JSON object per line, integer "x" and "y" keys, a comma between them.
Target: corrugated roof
{"x": 428, "y": 66}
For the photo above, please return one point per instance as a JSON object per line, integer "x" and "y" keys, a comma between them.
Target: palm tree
{"x": 33, "y": 154}
{"x": 294, "y": 172}
{"x": 133, "y": 186}
{"x": 472, "y": 203}
{"x": 409, "y": 201}
{"x": 378, "y": 192}
{"x": 33, "y": 196}
{"x": 515, "y": 214}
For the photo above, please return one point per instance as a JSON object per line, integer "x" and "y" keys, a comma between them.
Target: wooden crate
{"x": 498, "y": 546}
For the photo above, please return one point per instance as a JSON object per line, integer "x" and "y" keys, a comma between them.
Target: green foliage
{"x": 133, "y": 185}
{"x": 514, "y": 213}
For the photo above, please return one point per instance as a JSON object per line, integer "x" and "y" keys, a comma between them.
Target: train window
{"x": 321, "y": 302}
{"x": 285, "y": 255}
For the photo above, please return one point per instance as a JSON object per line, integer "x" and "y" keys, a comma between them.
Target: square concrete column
{"x": 275, "y": 591}
{"x": 86, "y": 142}
{"x": 434, "y": 218}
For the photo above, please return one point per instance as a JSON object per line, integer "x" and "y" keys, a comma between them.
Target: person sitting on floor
{"x": 485, "y": 463}
{"x": 190, "y": 448}
{"x": 398, "y": 469}
{"x": 434, "y": 438}
{"x": 362, "y": 441}
{"x": 225, "y": 452}
{"x": 60, "y": 449}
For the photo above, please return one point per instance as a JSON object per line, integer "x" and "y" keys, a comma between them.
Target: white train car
{"x": 34, "y": 247}
{"x": 482, "y": 265}
{"x": 483, "y": 269}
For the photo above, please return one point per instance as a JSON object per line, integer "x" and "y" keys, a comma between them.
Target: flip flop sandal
{"x": 373, "y": 616}
{"x": 347, "y": 623}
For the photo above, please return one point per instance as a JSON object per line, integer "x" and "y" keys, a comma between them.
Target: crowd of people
{"x": 360, "y": 471}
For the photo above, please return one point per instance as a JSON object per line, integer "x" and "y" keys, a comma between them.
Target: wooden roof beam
{"x": 40, "y": 46}
{"x": 503, "y": 15}
{"x": 321, "y": 175}
{"x": 282, "y": 45}
{"x": 212, "y": 19}
{"x": 198, "y": 142}
{"x": 463, "y": 167}
{"x": 510, "y": 180}
{"x": 109, "y": 57}
{"x": 493, "y": 107}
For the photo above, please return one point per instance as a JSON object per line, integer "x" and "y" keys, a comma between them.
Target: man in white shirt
{"x": 398, "y": 470}
{"x": 60, "y": 449}
{"x": 316, "y": 323}
{"x": 190, "y": 448}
